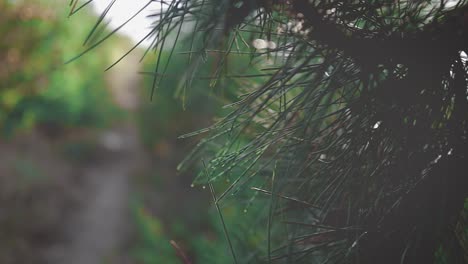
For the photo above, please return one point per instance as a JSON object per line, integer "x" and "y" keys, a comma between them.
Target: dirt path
{"x": 96, "y": 231}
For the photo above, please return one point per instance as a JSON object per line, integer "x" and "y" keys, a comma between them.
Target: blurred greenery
{"x": 37, "y": 88}
{"x": 166, "y": 116}
{"x": 201, "y": 245}
{"x": 154, "y": 246}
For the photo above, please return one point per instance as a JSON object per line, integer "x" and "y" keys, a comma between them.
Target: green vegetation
{"x": 37, "y": 88}
{"x": 153, "y": 246}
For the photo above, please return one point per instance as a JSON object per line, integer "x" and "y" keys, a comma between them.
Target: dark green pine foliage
{"x": 350, "y": 131}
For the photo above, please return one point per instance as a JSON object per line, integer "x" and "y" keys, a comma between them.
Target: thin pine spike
{"x": 102, "y": 40}
{"x": 98, "y": 22}
{"x": 223, "y": 223}
{"x": 286, "y": 197}
{"x": 75, "y": 10}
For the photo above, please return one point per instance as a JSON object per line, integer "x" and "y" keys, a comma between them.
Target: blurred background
{"x": 87, "y": 161}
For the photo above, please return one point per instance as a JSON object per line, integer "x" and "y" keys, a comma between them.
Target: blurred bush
{"x": 166, "y": 115}
{"x": 36, "y": 87}
{"x": 153, "y": 245}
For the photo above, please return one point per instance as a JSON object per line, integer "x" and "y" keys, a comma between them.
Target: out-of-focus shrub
{"x": 36, "y": 87}
{"x": 153, "y": 243}
{"x": 166, "y": 115}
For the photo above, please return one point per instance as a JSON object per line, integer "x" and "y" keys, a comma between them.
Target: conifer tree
{"x": 352, "y": 117}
